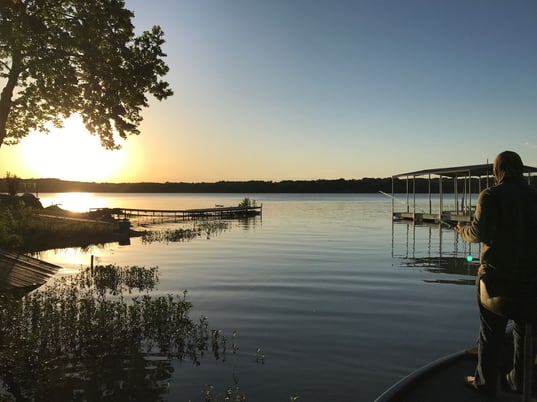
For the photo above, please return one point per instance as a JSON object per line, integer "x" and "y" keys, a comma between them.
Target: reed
{"x": 207, "y": 228}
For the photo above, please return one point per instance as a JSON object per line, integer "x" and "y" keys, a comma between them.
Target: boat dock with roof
{"x": 466, "y": 183}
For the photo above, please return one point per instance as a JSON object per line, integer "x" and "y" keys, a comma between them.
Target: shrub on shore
{"x": 24, "y": 227}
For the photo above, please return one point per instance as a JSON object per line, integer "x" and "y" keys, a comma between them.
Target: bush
{"x": 247, "y": 203}
{"x": 12, "y": 183}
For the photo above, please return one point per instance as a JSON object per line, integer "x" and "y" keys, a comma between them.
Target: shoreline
{"x": 322, "y": 186}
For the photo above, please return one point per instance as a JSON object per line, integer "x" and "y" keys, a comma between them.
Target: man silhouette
{"x": 505, "y": 222}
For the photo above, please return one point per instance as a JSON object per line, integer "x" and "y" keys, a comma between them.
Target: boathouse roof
{"x": 469, "y": 170}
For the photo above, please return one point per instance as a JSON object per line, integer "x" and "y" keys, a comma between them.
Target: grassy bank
{"x": 33, "y": 228}
{"x": 43, "y": 232}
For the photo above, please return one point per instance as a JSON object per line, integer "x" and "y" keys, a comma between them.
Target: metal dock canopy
{"x": 463, "y": 181}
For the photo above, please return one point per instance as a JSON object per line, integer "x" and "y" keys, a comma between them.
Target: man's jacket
{"x": 505, "y": 222}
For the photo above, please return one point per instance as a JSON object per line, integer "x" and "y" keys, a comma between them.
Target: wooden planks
{"x": 18, "y": 271}
{"x": 178, "y": 215}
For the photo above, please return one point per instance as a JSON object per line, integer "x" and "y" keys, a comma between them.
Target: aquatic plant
{"x": 231, "y": 394}
{"x": 183, "y": 234}
{"x": 169, "y": 235}
{"x": 259, "y": 356}
{"x": 81, "y": 338}
{"x": 212, "y": 227}
{"x": 116, "y": 279}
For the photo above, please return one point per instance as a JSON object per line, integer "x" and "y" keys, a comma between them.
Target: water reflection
{"x": 436, "y": 250}
{"x": 250, "y": 222}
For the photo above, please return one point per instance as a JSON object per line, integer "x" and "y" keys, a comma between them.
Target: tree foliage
{"x": 59, "y": 57}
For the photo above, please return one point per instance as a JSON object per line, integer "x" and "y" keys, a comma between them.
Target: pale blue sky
{"x": 296, "y": 89}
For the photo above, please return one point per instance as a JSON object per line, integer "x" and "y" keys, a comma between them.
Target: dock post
{"x": 393, "y": 198}
{"x": 469, "y": 195}
{"x": 441, "y": 199}
{"x": 407, "y": 200}
{"x": 430, "y": 201}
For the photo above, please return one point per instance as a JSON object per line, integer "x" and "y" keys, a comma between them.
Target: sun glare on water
{"x": 70, "y": 153}
{"x": 76, "y": 202}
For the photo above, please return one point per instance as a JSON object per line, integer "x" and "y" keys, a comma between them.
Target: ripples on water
{"x": 341, "y": 301}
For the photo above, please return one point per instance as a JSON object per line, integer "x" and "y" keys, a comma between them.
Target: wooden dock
{"x": 182, "y": 215}
{"x": 451, "y": 217}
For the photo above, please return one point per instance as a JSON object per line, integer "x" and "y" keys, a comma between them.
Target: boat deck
{"x": 442, "y": 381}
{"x": 22, "y": 272}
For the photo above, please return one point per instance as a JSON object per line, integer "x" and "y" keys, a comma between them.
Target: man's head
{"x": 507, "y": 164}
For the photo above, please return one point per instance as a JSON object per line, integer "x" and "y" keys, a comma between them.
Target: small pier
{"x": 467, "y": 183}
{"x": 182, "y": 215}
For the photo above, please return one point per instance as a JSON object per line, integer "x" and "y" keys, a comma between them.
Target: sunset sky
{"x": 308, "y": 89}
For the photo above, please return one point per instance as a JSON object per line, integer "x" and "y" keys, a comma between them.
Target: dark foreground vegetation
{"x": 365, "y": 185}
{"x": 100, "y": 336}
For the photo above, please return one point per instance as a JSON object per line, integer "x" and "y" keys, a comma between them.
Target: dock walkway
{"x": 451, "y": 217}
{"x": 180, "y": 215}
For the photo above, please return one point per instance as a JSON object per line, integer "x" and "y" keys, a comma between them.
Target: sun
{"x": 70, "y": 153}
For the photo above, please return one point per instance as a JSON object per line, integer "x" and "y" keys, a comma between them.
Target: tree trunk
{"x": 7, "y": 94}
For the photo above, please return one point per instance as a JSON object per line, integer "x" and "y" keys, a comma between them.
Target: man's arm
{"x": 483, "y": 225}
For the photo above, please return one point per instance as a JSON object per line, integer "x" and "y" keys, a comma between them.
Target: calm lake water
{"x": 341, "y": 302}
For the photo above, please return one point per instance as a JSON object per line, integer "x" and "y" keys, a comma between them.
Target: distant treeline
{"x": 365, "y": 185}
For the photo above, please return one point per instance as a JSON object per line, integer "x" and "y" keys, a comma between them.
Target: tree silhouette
{"x": 60, "y": 57}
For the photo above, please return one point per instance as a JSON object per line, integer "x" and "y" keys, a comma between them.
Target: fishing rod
{"x": 448, "y": 224}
